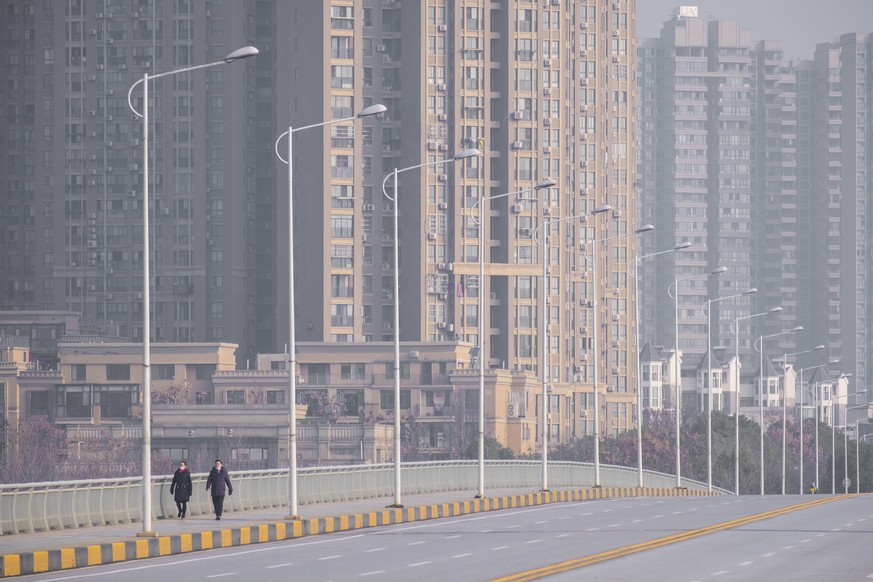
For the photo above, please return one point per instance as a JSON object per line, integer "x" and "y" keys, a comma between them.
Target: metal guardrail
{"x": 33, "y": 507}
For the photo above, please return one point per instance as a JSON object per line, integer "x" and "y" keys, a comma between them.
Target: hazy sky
{"x": 800, "y": 24}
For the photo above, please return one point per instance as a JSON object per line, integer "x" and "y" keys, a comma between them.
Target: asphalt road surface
{"x": 816, "y": 538}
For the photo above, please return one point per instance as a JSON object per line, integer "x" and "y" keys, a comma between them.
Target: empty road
{"x": 677, "y": 539}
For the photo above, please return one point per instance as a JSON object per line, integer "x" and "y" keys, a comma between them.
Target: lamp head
{"x": 372, "y": 110}
{"x": 464, "y": 154}
{"x": 835, "y": 361}
{"x": 775, "y": 310}
{"x": 602, "y": 208}
{"x": 241, "y": 53}
{"x": 644, "y": 228}
{"x": 750, "y": 291}
{"x": 796, "y": 329}
{"x": 547, "y": 183}
{"x": 682, "y": 245}
{"x": 718, "y": 271}
{"x": 818, "y": 347}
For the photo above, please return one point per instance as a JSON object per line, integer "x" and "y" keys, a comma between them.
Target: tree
{"x": 34, "y": 452}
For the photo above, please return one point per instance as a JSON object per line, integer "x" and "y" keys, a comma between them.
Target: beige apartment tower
{"x": 544, "y": 89}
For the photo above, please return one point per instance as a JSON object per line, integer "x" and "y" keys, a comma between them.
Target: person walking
{"x": 219, "y": 482}
{"x": 181, "y": 488}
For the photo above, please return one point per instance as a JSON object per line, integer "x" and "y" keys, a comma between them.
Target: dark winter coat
{"x": 181, "y": 487}
{"x": 219, "y": 482}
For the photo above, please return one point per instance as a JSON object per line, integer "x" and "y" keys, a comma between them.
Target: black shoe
{"x": 217, "y": 517}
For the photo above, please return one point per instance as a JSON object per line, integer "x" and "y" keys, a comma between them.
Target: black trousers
{"x": 218, "y": 504}
{"x": 183, "y": 507}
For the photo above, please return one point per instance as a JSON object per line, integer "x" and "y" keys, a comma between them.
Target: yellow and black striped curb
{"x": 113, "y": 552}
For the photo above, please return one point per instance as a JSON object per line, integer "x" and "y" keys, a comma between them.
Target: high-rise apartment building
{"x": 72, "y": 167}
{"x": 544, "y": 90}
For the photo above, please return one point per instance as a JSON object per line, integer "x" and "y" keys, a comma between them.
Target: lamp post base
{"x": 292, "y": 518}
{"x": 146, "y": 534}
{"x": 395, "y": 506}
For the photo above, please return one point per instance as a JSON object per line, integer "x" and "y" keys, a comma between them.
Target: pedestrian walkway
{"x": 64, "y": 549}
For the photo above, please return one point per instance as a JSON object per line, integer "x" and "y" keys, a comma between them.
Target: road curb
{"x": 38, "y": 562}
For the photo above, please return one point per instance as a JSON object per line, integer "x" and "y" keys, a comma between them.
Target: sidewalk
{"x": 64, "y": 549}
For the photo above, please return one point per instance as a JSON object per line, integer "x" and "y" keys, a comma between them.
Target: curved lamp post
{"x": 680, "y": 247}
{"x": 706, "y": 313}
{"x": 460, "y": 156}
{"x": 802, "y": 370}
{"x": 547, "y": 183}
{"x": 544, "y": 358}
{"x": 241, "y": 53}
{"x": 737, "y": 392}
{"x": 292, "y": 319}
{"x": 677, "y": 371}
{"x": 759, "y": 347}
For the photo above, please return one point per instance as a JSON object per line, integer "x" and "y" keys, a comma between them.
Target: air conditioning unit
{"x": 134, "y": 142}
{"x": 547, "y": 150}
{"x": 122, "y": 66}
{"x": 441, "y": 325}
{"x": 615, "y": 370}
{"x": 92, "y": 77}
{"x": 442, "y": 28}
{"x": 614, "y": 33}
{"x": 547, "y": 92}
{"x": 443, "y": 177}
{"x": 443, "y": 117}
{"x": 165, "y": 211}
{"x": 443, "y": 205}
{"x": 110, "y": 271}
{"x": 512, "y": 410}
{"x": 92, "y": 244}
{"x": 139, "y": 295}
{"x": 134, "y": 167}
{"x": 616, "y": 6}
{"x": 99, "y": 67}
{"x": 132, "y": 193}
{"x": 92, "y": 134}
{"x": 614, "y": 60}
{"x": 431, "y": 236}
{"x": 492, "y": 295}
{"x": 109, "y": 297}
{"x": 547, "y": 211}
{"x": 380, "y": 48}
{"x": 450, "y": 266}
{"x": 386, "y": 58}
{"x": 577, "y": 378}
{"x": 146, "y": 65}
{"x": 583, "y": 53}
{"x": 547, "y": 121}
{"x": 517, "y": 207}
{"x": 413, "y": 354}
{"x": 583, "y": 82}
{"x": 547, "y": 62}
{"x": 616, "y": 213}
{"x": 516, "y": 115}
{"x": 386, "y": 148}
{"x": 92, "y": 182}
{"x": 444, "y": 296}
{"x": 441, "y": 266}
{"x": 443, "y": 147}
{"x": 441, "y": 87}
{"x": 583, "y": 108}
{"x": 615, "y": 317}
{"x": 526, "y": 232}
{"x": 92, "y": 216}
{"x": 369, "y": 207}
{"x": 386, "y": 207}
{"x": 583, "y": 25}
{"x": 583, "y": 358}
{"x": 431, "y": 145}
{"x": 516, "y": 145}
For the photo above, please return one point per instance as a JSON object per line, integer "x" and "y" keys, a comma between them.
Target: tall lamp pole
{"x": 242, "y": 53}
{"x": 677, "y": 380}
{"x": 707, "y": 313}
{"x": 802, "y": 370}
{"x": 737, "y": 393}
{"x": 292, "y": 319}
{"x": 643, "y": 229}
{"x": 460, "y": 156}
{"x": 547, "y": 183}
{"x": 785, "y": 407}
{"x": 759, "y": 346}
{"x": 681, "y": 246}
{"x": 544, "y": 358}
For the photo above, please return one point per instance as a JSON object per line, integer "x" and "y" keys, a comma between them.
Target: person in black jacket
{"x": 219, "y": 481}
{"x": 181, "y": 488}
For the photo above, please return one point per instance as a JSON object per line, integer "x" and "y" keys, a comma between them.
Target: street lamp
{"x": 242, "y": 53}
{"x": 643, "y": 229}
{"x": 292, "y": 319}
{"x": 544, "y": 358}
{"x": 547, "y": 183}
{"x": 681, "y": 246}
{"x": 737, "y": 392}
{"x": 707, "y": 313}
{"x": 802, "y": 370}
{"x": 460, "y": 156}
{"x": 759, "y": 346}
{"x": 784, "y": 403}
{"x": 677, "y": 372}
{"x": 836, "y": 382}
{"x": 845, "y": 440}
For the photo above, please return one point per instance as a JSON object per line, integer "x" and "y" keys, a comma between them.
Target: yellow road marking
{"x": 575, "y": 563}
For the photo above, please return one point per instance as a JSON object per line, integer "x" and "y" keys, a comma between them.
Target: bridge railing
{"x": 33, "y": 507}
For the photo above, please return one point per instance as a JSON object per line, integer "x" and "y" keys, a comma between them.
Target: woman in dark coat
{"x": 181, "y": 488}
{"x": 219, "y": 482}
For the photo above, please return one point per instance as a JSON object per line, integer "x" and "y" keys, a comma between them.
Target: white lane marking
{"x": 850, "y": 524}
{"x": 540, "y": 522}
{"x": 719, "y": 573}
{"x": 746, "y": 563}
{"x": 697, "y": 508}
{"x": 788, "y": 547}
{"x": 767, "y": 555}
{"x": 512, "y": 526}
{"x": 657, "y": 517}
{"x": 837, "y": 529}
{"x": 565, "y": 517}
{"x": 606, "y": 510}
{"x": 821, "y": 535}
{"x": 223, "y": 574}
{"x": 461, "y": 555}
{"x": 486, "y": 531}
{"x": 374, "y": 550}
{"x": 279, "y": 566}
{"x": 860, "y": 519}
{"x": 563, "y": 535}
{"x": 676, "y": 513}
{"x": 637, "y": 521}
{"x": 373, "y": 573}
{"x": 626, "y": 507}
{"x": 870, "y": 575}
{"x": 416, "y": 564}
{"x": 805, "y": 541}
{"x": 585, "y": 514}
{"x": 415, "y": 543}
{"x": 591, "y": 529}
{"x": 499, "y": 548}
{"x": 452, "y": 537}
{"x": 329, "y": 558}
{"x": 615, "y": 525}
{"x": 533, "y": 541}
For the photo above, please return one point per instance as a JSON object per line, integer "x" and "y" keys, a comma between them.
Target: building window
{"x": 77, "y": 372}
{"x": 342, "y": 77}
{"x": 163, "y": 372}
{"x": 117, "y": 371}
{"x": 386, "y": 399}
{"x": 203, "y": 371}
{"x": 39, "y": 403}
{"x": 352, "y": 371}
{"x": 235, "y": 397}
{"x": 275, "y": 396}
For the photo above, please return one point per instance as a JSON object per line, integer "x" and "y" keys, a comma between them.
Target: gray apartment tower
{"x": 72, "y": 167}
